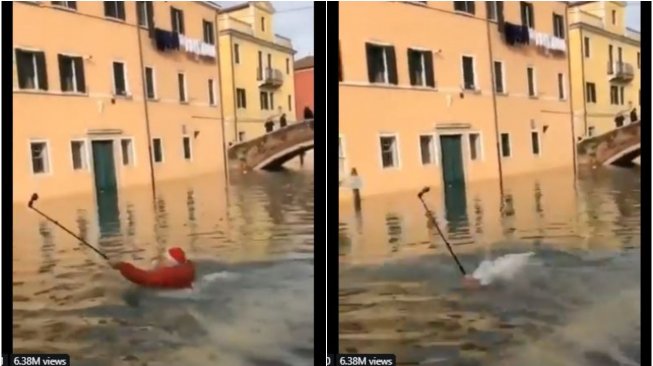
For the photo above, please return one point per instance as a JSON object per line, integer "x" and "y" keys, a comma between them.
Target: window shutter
{"x": 392, "y": 64}
{"x": 172, "y": 20}
{"x": 411, "y": 67}
{"x": 62, "y": 72}
{"x": 370, "y": 62}
{"x": 72, "y": 4}
{"x": 181, "y": 22}
{"x": 78, "y": 63}
{"x": 41, "y": 70}
{"x": 23, "y": 65}
{"x": 471, "y": 7}
{"x": 120, "y": 6}
{"x": 500, "y": 18}
{"x": 429, "y": 72}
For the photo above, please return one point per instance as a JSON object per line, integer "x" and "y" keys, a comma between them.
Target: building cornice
{"x": 605, "y": 33}
{"x": 257, "y": 40}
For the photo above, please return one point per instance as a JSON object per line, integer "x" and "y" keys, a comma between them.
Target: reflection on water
{"x": 400, "y": 290}
{"x": 253, "y": 246}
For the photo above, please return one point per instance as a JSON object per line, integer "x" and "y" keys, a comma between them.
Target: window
{"x": 591, "y": 131}
{"x": 610, "y": 60}
{"x": 269, "y": 61}
{"x": 209, "y": 36}
{"x": 271, "y": 101}
{"x": 287, "y": 66}
{"x": 420, "y": 68}
{"x": 427, "y": 149}
{"x": 40, "y": 157}
{"x": 621, "y": 95}
{"x": 32, "y": 73}
{"x": 381, "y": 64}
{"x": 177, "y": 18}
{"x": 157, "y": 150}
{"x": 587, "y": 47}
{"x": 469, "y": 77}
{"x": 66, "y": 4}
{"x": 498, "y": 77}
{"x": 505, "y": 145}
{"x": 241, "y": 98}
{"x": 114, "y": 9}
{"x": 149, "y": 83}
{"x": 263, "y": 24}
{"x": 144, "y": 12}
{"x": 464, "y": 6}
{"x": 211, "y": 92}
{"x": 188, "y": 151}
{"x": 241, "y": 136}
{"x": 78, "y": 154}
{"x": 535, "y": 142}
{"x": 389, "y": 153}
{"x": 127, "y": 151}
{"x": 264, "y": 101}
{"x": 341, "y": 155}
{"x": 639, "y": 65}
{"x": 590, "y": 89}
{"x": 527, "y": 16}
{"x": 561, "y": 87}
{"x": 614, "y": 17}
{"x": 290, "y": 103}
{"x": 71, "y": 74}
{"x": 614, "y": 95}
{"x": 558, "y": 26}
{"x": 531, "y": 82}
{"x": 491, "y": 7}
{"x": 181, "y": 82}
{"x": 119, "y": 79}
{"x": 474, "y": 146}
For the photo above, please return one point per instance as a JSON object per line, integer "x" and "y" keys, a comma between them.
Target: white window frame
{"x": 163, "y": 155}
{"x": 396, "y": 137}
{"x": 462, "y": 72}
{"x": 503, "y": 77}
{"x": 71, "y": 56}
{"x": 49, "y": 169}
{"x": 342, "y": 148}
{"x": 190, "y": 145}
{"x": 86, "y": 156}
{"x": 480, "y": 154}
{"x": 132, "y": 150}
{"x": 125, "y": 76}
{"x": 64, "y": 6}
{"x": 211, "y": 82}
{"x": 509, "y": 144}
{"x": 147, "y": 16}
{"x": 529, "y": 21}
{"x": 423, "y": 65}
{"x": 386, "y": 72}
{"x": 37, "y": 81}
{"x": 495, "y": 15}
{"x": 187, "y": 98}
{"x": 177, "y": 20}
{"x": 435, "y": 150}
{"x": 154, "y": 86}
{"x": 238, "y": 106}
{"x": 587, "y": 47}
{"x": 535, "y": 91}
{"x": 539, "y": 143}
{"x": 564, "y": 87}
{"x": 116, "y": 18}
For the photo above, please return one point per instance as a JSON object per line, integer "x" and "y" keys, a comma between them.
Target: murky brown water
{"x": 578, "y": 303}
{"x": 254, "y": 247}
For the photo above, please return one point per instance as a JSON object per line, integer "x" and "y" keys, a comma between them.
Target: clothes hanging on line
{"x": 166, "y": 40}
{"x": 546, "y": 41}
{"x": 516, "y": 34}
{"x": 196, "y": 47}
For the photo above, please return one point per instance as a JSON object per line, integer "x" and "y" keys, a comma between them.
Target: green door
{"x": 452, "y": 160}
{"x": 104, "y": 167}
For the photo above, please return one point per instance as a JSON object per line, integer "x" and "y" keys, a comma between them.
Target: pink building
{"x": 303, "y": 86}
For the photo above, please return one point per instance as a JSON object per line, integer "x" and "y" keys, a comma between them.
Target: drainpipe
{"x": 496, "y": 112}
{"x": 571, "y": 100}
{"x": 146, "y": 109}
{"x": 582, "y": 67}
{"x": 233, "y": 83}
{"x": 221, "y": 108}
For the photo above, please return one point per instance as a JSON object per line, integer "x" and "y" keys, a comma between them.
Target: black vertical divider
{"x": 645, "y": 183}
{"x": 6, "y": 76}
{"x": 332, "y": 179}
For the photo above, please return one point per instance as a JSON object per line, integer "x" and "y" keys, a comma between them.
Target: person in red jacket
{"x": 174, "y": 270}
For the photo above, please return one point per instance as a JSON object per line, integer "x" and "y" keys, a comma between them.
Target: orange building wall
{"x": 304, "y": 89}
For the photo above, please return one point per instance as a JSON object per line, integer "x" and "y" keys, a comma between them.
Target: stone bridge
{"x": 617, "y": 147}
{"x": 273, "y": 149}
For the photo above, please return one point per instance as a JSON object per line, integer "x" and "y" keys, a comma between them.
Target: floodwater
{"x": 576, "y": 302}
{"x": 252, "y": 303}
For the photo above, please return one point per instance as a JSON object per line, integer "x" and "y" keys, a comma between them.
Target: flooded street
{"x": 577, "y": 301}
{"x": 252, "y": 303}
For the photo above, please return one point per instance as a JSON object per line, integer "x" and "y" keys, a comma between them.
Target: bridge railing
{"x": 597, "y": 149}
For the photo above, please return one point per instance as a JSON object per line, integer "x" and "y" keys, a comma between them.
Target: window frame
{"x": 161, "y": 148}
{"x": 435, "y": 149}
{"x": 186, "y": 99}
{"x": 397, "y": 148}
{"x": 125, "y": 79}
{"x": 501, "y": 145}
{"x": 48, "y": 160}
{"x": 481, "y": 153}
{"x": 154, "y": 86}
{"x": 132, "y": 151}
{"x": 85, "y": 155}
{"x": 474, "y": 74}
{"x": 188, "y": 138}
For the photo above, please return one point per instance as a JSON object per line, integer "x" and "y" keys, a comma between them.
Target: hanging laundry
{"x": 516, "y": 34}
{"x": 165, "y": 40}
{"x": 196, "y": 47}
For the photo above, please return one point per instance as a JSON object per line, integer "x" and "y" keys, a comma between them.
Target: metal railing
{"x": 621, "y": 69}
{"x": 269, "y": 75}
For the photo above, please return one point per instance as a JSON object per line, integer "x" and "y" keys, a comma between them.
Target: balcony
{"x": 621, "y": 71}
{"x": 269, "y": 77}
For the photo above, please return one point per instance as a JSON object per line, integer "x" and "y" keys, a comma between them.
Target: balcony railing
{"x": 269, "y": 77}
{"x": 621, "y": 70}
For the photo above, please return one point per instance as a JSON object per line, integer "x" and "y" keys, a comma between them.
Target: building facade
{"x": 257, "y": 70}
{"x": 606, "y": 67}
{"x": 445, "y": 93}
{"x": 304, "y": 86}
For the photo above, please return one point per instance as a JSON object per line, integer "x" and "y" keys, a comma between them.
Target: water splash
{"x": 504, "y": 268}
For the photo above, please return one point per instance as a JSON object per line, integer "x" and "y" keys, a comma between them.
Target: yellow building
{"x": 257, "y": 69}
{"x": 605, "y": 64}
{"x": 444, "y": 93}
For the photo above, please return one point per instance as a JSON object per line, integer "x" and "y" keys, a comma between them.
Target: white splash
{"x": 503, "y": 268}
